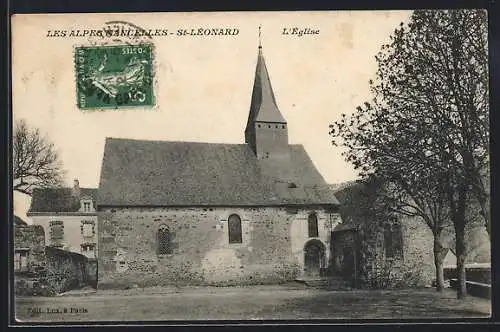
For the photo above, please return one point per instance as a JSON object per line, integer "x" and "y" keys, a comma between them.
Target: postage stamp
{"x": 118, "y": 76}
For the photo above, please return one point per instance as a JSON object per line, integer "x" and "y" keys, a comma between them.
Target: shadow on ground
{"x": 425, "y": 303}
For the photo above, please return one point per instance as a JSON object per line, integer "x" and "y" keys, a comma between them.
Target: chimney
{"x": 76, "y": 188}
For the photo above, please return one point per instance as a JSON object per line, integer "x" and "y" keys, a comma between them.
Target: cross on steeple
{"x": 260, "y": 43}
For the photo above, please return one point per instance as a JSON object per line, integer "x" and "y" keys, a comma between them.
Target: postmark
{"x": 114, "y": 76}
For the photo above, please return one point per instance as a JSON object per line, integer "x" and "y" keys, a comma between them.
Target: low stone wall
{"x": 474, "y": 288}
{"x": 65, "y": 270}
{"x": 46, "y": 271}
{"x": 476, "y": 274}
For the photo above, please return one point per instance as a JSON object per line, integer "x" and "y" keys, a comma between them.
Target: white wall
{"x": 299, "y": 232}
{"x": 73, "y": 237}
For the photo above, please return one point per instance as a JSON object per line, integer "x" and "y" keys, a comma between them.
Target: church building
{"x": 202, "y": 213}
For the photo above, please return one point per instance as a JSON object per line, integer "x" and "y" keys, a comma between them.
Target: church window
{"x": 164, "y": 239}
{"x": 393, "y": 240}
{"x": 312, "y": 223}
{"x": 234, "y": 229}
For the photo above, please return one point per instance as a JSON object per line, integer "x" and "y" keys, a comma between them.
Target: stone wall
{"x": 65, "y": 270}
{"x": 48, "y": 271}
{"x": 30, "y": 241}
{"x": 415, "y": 268}
{"x": 363, "y": 206}
{"x": 271, "y": 250}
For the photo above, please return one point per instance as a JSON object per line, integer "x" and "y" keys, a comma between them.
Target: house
{"x": 68, "y": 217}
{"x": 376, "y": 248}
{"x": 205, "y": 213}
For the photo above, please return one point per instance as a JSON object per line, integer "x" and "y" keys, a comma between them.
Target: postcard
{"x": 244, "y": 166}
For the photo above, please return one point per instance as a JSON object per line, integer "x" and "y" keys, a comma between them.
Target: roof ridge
{"x": 170, "y": 141}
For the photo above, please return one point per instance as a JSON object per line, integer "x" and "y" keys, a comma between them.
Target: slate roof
{"x": 59, "y": 199}
{"x": 165, "y": 173}
{"x": 263, "y": 106}
{"x": 345, "y": 227}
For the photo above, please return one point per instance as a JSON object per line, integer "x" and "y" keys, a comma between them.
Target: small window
{"x": 292, "y": 185}
{"x": 393, "y": 240}
{"x": 283, "y": 126}
{"x": 88, "y": 247}
{"x": 234, "y": 226}
{"x": 87, "y": 228}
{"x": 268, "y": 126}
{"x": 164, "y": 240}
{"x": 87, "y": 206}
{"x": 21, "y": 260}
{"x": 258, "y": 125}
{"x": 312, "y": 223}
{"x": 56, "y": 233}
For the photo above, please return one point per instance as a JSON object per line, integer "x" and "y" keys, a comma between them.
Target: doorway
{"x": 314, "y": 258}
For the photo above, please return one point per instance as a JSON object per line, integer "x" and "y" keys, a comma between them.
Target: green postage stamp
{"x": 118, "y": 76}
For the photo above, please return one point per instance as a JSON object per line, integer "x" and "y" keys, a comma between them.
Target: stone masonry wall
{"x": 49, "y": 271}
{"x": 270, "y": 252}
{"x": 414, "y": 269}
{"x": 65, "y": 270}
{"x": 30, "y": 239}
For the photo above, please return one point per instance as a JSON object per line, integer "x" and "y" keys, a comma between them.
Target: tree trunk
{"x": 461, "y": 255}
{"x": 458, "y": 209}
{"x": 439, "y": 255}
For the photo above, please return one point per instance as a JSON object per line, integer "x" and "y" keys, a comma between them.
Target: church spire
{"x": 263, "y": 107}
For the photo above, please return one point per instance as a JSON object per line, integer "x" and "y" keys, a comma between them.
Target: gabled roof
{"x": 263, "y": 106}
{"x": 164, "y": 173}
{"x": 298, "y": 168}
{"x": 59, "y": 199}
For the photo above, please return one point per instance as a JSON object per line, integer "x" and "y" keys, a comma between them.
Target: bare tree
{"x": 35, "y": 160}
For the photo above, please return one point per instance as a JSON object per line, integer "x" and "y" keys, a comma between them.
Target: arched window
{"x": 234, "y": 228}
{"x": 393, "y": 239}
{"x": 164, "y": 240}
{"x": 312, "y": 225}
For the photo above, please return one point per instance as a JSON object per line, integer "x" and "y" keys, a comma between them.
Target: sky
{"x": 203, "y": 84}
